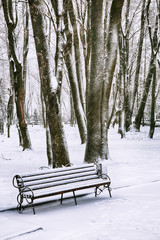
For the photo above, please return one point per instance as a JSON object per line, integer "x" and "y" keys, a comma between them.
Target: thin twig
{"x": 5, "y": 158}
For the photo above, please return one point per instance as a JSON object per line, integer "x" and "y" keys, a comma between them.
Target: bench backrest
{"x": 54, "y": 177}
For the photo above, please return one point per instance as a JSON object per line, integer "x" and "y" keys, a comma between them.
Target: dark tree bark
{"x": 18, "y": 85}
{"x": 115, "y": 94}
{"x": 49, "y": 86}
{"x": 93, "y": 147}
{"x": 120, "y": 90}
{"x": 153, "y": 104}
{"x": 2, "y": 106}
{"x": 101, "y": 78}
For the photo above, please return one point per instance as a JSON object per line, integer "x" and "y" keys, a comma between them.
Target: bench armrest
{"x": 105, "y": 176}
{"x": 15, "y": 182}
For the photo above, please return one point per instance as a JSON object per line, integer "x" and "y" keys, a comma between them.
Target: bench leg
{"x": 74, "y": 198}
{"x": 61, "y": 198}
{"x": 33, "y": 209}
{"x": 109, "y": 190}
{"x": 96, "y": 192}
{"x": 20, "y": 208}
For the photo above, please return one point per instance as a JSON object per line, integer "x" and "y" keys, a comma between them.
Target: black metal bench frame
{"x": 59, "y": 181}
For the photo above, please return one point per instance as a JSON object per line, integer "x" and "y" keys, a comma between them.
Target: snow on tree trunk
{"x": 25, "y": 50}
{"x": 59, "y": 44}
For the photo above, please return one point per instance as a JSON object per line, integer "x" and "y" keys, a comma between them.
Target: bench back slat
{"x": 59, "y": 178}
{"x": 56, "y": 177}
{"x": 63, "y": 182}
{"x": 59, "y": 174}
{"x": 58, "y": 170}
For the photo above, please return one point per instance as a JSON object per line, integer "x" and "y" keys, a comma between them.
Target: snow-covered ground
{"x": 133, "y": 213}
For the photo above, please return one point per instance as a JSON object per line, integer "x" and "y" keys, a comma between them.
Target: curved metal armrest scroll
{"x": 105, "y": 176}
{"x": 29, "y": 194}
{"x": 44, "y": 167}
{"x": 29, "y": 198}
{"x": 15, "y": 181}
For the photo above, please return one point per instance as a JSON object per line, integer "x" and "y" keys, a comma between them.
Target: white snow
{"x": 133, "y": 212}
{"x": 54, "y": 83}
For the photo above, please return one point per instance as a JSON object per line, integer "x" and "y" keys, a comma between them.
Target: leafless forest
{"x": 94, "y": 63}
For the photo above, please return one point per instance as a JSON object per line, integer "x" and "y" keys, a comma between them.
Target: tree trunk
{"x": 18, "y": 85}
{"x": 152, "y": 124}
{"x": 110, "y": 63}
{"x": 48, "y": 145}
{"x": 77, "y": 49}
{"x": 59, "y": 44}
{"x": 19, "y": 107}
{"x": 154, "y": 40}
{"x": 25, "y": 51}
{"x": 140, "y": 46}
{"x": 93, "y": 147}
{"x": 124, "y": 52}
{"x": 70, "y": 64}
{"x": 72, "y": 113}
{"x": 10, "y": 106}
{"x": 139, "y": 115}
{"x": 120, "y": 90}
{"x": 88, "y": 51}
{"x": 115, "y": 93}
{"x": 101, "y": 79}
{"x": 49, "y": 86}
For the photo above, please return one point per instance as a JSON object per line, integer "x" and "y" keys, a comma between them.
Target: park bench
{"x": 50, "y": 182}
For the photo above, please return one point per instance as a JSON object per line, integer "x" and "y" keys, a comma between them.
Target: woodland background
{"x": 91, "y": 63}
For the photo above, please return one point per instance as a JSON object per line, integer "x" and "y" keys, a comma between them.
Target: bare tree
{"x": 93, "y": 147}
{"x": 49, "y": 86}
{"x": 110, "y": 64}
{"x": 69, "y": 56}
{"x": 25, "y": 48}
{"x": 155, "y": 44}
{"x": 18, "y": 83}
{"x": 101, "y": 78}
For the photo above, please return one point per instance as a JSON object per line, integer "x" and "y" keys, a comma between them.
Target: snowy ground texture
{"x": 133, "y": 213}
